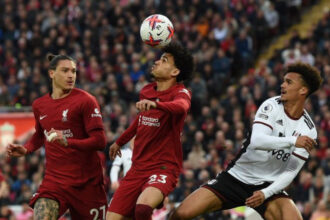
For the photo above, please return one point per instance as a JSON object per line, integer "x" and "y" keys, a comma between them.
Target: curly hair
{"x": 183, "y": 60}
{"x": 310, "y": 75}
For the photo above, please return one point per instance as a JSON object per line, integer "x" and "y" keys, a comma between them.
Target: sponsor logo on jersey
{"x": 263, "y": 116}
{"x": 149, "y": 121}
{"x": 65, "y": 115}
{"x": 67, "y": 133}
{"x": 185, "y": 91}
{"x": 268, "y": 108}
{"x": 96, "y": 113}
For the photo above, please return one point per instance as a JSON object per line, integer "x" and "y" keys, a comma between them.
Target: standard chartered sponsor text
{"x": 148, "y": 121}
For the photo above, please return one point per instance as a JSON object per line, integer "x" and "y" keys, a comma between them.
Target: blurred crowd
{"x": 225, "y": 37}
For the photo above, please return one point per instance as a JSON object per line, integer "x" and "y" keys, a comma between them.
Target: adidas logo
{"x": 280, "y": 122}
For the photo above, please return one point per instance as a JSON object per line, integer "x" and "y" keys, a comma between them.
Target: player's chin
{"x": 283, "y": 98}
{"x": 69, "y": 87}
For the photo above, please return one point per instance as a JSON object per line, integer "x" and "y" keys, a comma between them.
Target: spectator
{"x": 109, "y": 30}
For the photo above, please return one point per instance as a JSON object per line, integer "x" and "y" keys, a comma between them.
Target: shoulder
{"x": 309, "y": 122}
{"x": 39, "y": 101}
{"x": 148, "y": 91}
{"x": 271, "y": 104}
{"x": 79, "y": 94}
{"x": 182, "y": 90}
{"x": 149, "y": 87}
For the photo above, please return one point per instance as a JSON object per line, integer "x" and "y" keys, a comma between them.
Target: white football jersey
{"x": 253, "y": 166}
{"x": 125, "y": 159}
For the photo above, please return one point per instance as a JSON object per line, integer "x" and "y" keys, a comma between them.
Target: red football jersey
{"x": 157, "y": 144}
{"x": 76, "y": 115}
{"x": 1, "y": 177}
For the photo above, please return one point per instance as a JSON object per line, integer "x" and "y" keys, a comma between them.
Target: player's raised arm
{"x": 179, "y": 105}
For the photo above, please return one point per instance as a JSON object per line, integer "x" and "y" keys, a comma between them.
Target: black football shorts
{"x": 233, "y": 192}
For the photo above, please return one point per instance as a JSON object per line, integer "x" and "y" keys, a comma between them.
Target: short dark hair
{"x": 310, "y": 75}
{"x": 183, "y": 60}
{"x": 54, "y": 59}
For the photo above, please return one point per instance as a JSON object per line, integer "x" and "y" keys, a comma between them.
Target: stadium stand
{"x": 225, "y": 38}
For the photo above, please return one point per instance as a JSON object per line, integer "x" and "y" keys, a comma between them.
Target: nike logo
{"x": 159, "y": 33}
{"x": 42, "y": 117}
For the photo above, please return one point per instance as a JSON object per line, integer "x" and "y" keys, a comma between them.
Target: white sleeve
{"x": 301, "y": 152}
{"x": 292, "y": 169}
{"x": 261, "y": 139}
{"x": 115, "y": 169}
{"x": 114, "y": 173}
{"x": 267, "y": 113}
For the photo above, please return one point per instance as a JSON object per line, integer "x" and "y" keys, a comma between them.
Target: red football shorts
{"x": 84, "y": 202}
{"x": 131, "y": 186}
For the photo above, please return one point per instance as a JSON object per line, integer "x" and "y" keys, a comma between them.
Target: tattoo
{"x": 46, "y": 209}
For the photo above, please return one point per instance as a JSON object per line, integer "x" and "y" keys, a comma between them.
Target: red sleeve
{"x": 129, "y": 133}
{"x": 1, "y": 177}
{"x": 91, "y": 114}
{"x": 179, "y": 105}
{"x": 96, "y": 141}
{"x": 37, "y": 139}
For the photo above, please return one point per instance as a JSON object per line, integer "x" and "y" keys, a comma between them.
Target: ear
{"x": 303, "y": 90}
{"x": 175, "y": 72}
{"x": 51, "y": 73}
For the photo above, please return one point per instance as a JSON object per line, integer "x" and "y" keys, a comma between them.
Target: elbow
{"x": 255, "y": 141}
{"x": 183, "y": 108}
{"x": 101, "y": 142}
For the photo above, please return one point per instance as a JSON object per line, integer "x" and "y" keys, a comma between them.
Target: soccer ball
{"x": 156, "y": 30}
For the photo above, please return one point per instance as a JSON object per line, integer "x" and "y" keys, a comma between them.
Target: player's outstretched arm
{"x": 16, "y": 150}
{"x": 256, "y": 199}
{"x": 114, "y": 151}
{"x": 292, "y": 169}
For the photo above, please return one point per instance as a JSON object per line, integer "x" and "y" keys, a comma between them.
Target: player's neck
{"x": 294, "y": 109}
{"x": 60, "y": 93}
{"x": 164, "y": 85}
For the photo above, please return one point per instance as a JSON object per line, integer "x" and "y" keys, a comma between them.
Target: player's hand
{"x": 59, "y": 138}
{"x": 114, "y": 151}
{"x": 305, "y": 142}
{"x": 114, "y": 186}
{"x": 15, "y": 150}
{"x": 256, "y": 199}
{"x": 145, "y": 105}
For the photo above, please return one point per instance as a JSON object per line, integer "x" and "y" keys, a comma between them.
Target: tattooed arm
{"x": 46, "y": 209}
